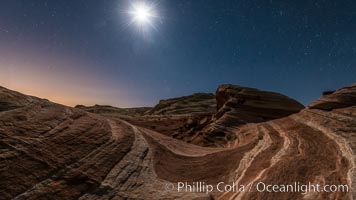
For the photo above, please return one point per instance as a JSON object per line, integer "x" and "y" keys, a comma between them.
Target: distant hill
{"x": 110, "y": 110}
{"x": 195, "y": 103}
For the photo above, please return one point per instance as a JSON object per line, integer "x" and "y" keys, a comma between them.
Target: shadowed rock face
{"x": 238, "y": 106}
{"x": 50, "y": 151}
{"x": 252, "y": 105}
{"x": 11, "y": 100}
{"x": 342, "y": 98}
{"x": 55, "y": 152}
{"x": 196, "y": 103}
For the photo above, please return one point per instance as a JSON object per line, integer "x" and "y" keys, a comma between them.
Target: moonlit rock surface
{"x": 50, "y": 151}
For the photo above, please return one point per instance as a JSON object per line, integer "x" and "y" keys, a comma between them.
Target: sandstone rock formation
{"x": 238, "y": 106}
{"x": 196, "y": 103}
{"x": 110, "y": 110}
{"x": 185, "y": 105}
{"x": 342, "y": 98}
{"x": 171, "y": 117}
{"x": 50, "y": 151}
{"x": 253, "y": 105}
{"x": 11, "y": 99}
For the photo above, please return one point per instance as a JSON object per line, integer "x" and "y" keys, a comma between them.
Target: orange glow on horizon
{"x": 69, "y": 80}
{"x": 62, "y": 87}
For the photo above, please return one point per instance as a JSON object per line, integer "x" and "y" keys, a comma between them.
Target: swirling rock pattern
{"x": 50, "y": 151}
{"x": 238, "y": 106}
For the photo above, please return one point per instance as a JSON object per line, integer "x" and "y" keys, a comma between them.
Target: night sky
{"x": 89, "y": 52}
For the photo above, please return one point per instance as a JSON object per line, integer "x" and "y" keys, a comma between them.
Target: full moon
{"x": 142, "y": 13}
